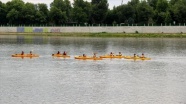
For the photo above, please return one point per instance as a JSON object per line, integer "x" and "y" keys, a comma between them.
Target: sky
{"x": 112, "y": 3}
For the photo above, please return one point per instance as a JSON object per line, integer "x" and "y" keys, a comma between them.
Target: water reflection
{"x": 109, "y": 81}
{"x": 160, "y": 46}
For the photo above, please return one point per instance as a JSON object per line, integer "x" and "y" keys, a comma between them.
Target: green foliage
{"x": 65, "y": 7}
{"x": 81, "y": 11}
{"x": 140, "y": 12}
{"x": 144, "y": 12}
{"x": 42, "y": 14}
{"x": 3, "y": 13}
{"x": 179, "y": 10}
{"x": 12, "y": 16}
{"x": 168, "y": 18}
{"x": 152, "y": 3}
{"x": 14, "y": 9}
{"x": 162, "y": 5}
{"x": 57, "y": 16}
{"x": 99, "y": 11}
{"x": 28, "y": 13}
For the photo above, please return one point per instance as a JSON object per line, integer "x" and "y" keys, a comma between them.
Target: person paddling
{"x": 135, "y": 56}
{"x": 142, "y": 56}
{"x": 111, "y": 54}
{"x": 58, "y": 52}
{"x": 22, "y": 53}
{"x": 64, "y": 53}
{"x": 30, "y": 52}
{"x": 94, "y": 56}
{"x": 120, "y": 54}
{"x": 84, "y": 55}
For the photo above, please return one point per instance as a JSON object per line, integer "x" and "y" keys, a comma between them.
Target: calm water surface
{"x": 48, "y": 80}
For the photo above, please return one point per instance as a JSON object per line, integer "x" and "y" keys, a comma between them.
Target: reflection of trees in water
{"x": 140, "y": 45}
{"x": 59, "y": 41}
{"x": 77, "y": 45}
{"x": 38, "y": 40}
{"x": 94, "y": 43}
{"x": 31, "y": 39}
{"x": 20, "y": 39}
{"x": 7, "y": 39}
{"x": 129, "y": 46}
{"x": 100, "y": 45}
{"x": 154, "y": 45}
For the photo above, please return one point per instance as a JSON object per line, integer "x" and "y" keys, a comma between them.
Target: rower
{"x": 84, "y": 55}
{"x": 143, "y": 56}
{"x": 64, "y": 53}
{"x": 135, "y": 55}
{"x": 120, "y": 54}
{"x": 111, "y": 54}
{"x": 30, "y": 52}
{"x": 94, "y": 55}
{"x": 22, "y": 53}
{"x": 58, "y": 52}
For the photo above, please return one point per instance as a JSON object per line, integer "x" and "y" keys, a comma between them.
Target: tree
{"x": 99, "y": 11}
{"x": 144, "y": 12}
{"x": 14, "y": 9}
{"x": 162, "y": 5}
{"x": 134, "y": 2}
{"x": 81, "y": 11}
{"x": 111, "y": 17}
{"x": 162, "y": 8}
{"x": 168, "y": 18}
{"x": 42, "y": 14}
{"x": 68, "y": 10}
{"x": 152, "y": 3}
{"x": 125, "y": 13}
{"x": 133, "y": 6}
{"x": 3, "y": 13}
{"x": 57, "y": 17}
{"x": 64, "y": 6}
{"x": 43, "y": 8}
{"x": 28, "y": 13}
{"x": 58, "y": 4}
{"x": 179, "y": 10}
{"x": 12, "y": 16}
{"x": 172, "y": 2}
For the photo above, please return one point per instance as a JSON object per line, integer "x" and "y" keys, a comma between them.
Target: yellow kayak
{"x": 112, "y": 56}
{"x": 137, "y": 58}
{"x": 88, "y": 58}
{"x": 145, "y": 58}
{"x": 60, "y": 55}
{"x": 25, "y": 55}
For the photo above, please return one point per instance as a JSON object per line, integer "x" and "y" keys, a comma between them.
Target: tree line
{"x": 17, "y": 12}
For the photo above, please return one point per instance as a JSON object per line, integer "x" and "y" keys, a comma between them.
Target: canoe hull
{"x": 137, "y": 58}
{"x": 60, "y": 55}
{"x": 108, "y": 56}
{"x": 87, "y": 58}
{"x": 25, "y": 55}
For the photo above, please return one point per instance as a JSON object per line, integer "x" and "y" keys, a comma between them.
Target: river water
{"x": 48, "y": 80}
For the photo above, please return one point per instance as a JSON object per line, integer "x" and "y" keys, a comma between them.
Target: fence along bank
{"x": 94, "y": 29}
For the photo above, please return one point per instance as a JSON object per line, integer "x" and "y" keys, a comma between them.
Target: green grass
{"x": 104, "y": 34}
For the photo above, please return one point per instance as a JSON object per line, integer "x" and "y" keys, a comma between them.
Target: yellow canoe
{"x": 114, "y": 56}
{"x": 145, "y": 58}
{"x": 137, "y": 58}
{"x": 25, "y": 55}
{"x": 60, "y": 55}
{"x": 88, "y": 58}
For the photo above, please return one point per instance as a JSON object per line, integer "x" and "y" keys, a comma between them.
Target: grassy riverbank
{"x": 136, "y": 35}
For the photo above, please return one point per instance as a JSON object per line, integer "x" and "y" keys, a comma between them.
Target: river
{"x": 49, "y": 80}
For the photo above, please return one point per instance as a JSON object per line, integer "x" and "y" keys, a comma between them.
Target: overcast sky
{"x": 111, "y": 2}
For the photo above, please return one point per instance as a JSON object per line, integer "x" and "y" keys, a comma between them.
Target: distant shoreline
{"x": 135, "y": 35}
